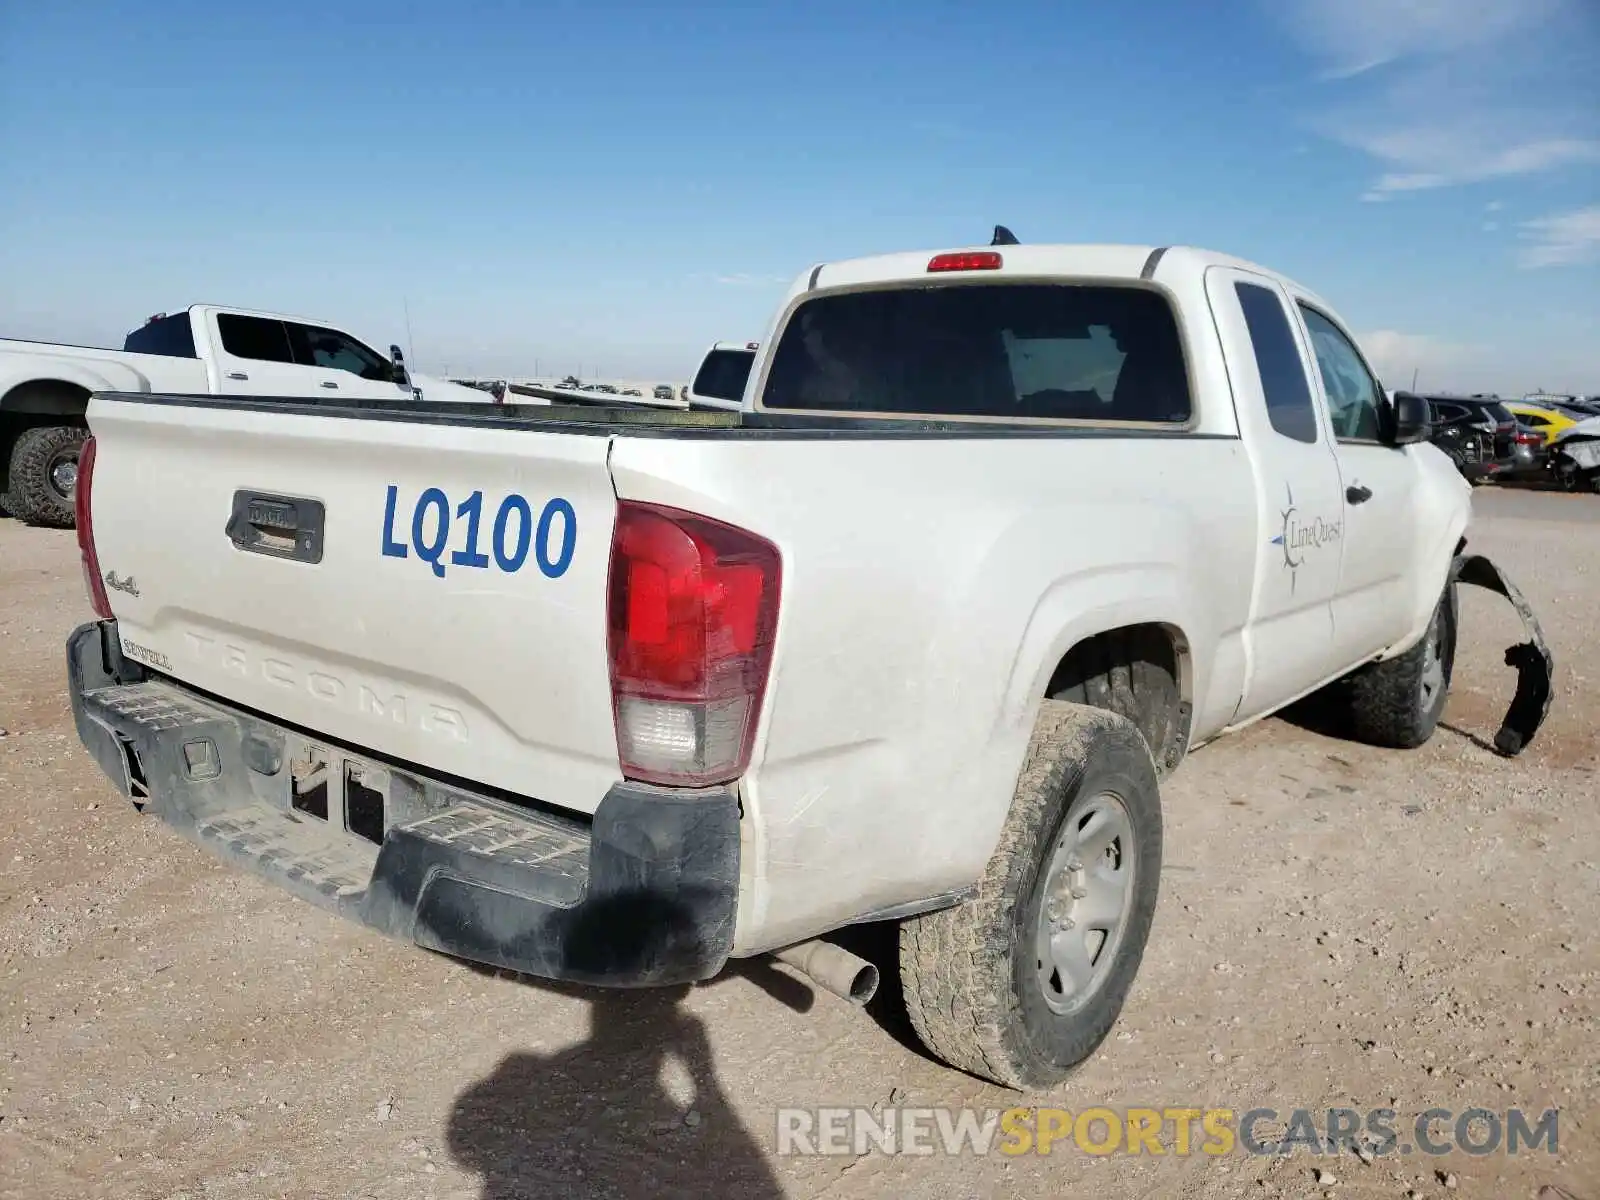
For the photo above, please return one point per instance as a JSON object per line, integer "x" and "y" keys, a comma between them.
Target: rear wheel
{"x": 1023, "y": 982}
{"x": 44, "y": 475}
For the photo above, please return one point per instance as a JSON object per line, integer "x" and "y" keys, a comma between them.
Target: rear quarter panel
{"x": 95, "y": 370}
{"x": 930, "y": 587}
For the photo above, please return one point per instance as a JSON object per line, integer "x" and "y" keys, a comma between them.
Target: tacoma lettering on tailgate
{"x": 370, "y": 699}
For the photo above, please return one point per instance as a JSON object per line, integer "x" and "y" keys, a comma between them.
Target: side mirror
{"x": 401, "y": 377}
{"x": 1410, "y": 420}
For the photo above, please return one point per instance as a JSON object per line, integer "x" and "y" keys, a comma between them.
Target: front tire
{"x": 44, "y": 472}
{"x": 1020, "y": 984}
{"x": 1398, "y": 702}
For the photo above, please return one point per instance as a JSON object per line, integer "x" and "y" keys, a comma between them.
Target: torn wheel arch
{"x": 1534, "y": 663}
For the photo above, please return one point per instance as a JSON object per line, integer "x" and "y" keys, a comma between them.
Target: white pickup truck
{"x": 45, "y": 387}
{"x": 614, "y": 697}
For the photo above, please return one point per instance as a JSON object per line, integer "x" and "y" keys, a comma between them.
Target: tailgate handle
{"x": 278, "y": 526}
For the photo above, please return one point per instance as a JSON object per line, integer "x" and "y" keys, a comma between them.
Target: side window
{"x": 254, "y": 337}
{"x": 315, "y": 346}
{"x": 1283, "y": 375}
{"x": 1353, "y": 395}
{"x": 1451, "y": 412}
{"x": 1538, "y": 421}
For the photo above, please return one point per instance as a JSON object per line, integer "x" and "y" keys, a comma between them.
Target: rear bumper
{"x": 645, "y": 894}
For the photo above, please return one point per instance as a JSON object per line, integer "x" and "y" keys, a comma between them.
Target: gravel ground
{"x": 1339, "y": 927}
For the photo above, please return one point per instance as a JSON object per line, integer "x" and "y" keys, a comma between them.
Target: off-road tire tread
{"x": 1381, "y": 699}
{"x": 30, "y": 499}
{"x": 955, "y": 964}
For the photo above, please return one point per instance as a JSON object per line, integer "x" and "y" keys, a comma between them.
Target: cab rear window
{"x": 171, "y": 337}
{"x": 1002, "y": 351}
{"x": 723, "y": 374}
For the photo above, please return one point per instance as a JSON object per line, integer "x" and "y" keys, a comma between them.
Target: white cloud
{"x": 1448, "y": 156}
{"x": 1358, "y": 36}
{"x": 1396, "y": 356}
{"x": 1564, "y": 239}
{"x": 1493, "y": 206}
{"x": 1448, "y": 92}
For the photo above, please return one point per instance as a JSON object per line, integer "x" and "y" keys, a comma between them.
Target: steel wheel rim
{"x": 1084, "y": 897}
{"x": 1433, "y": 661}
{"x": 63, "y": 474}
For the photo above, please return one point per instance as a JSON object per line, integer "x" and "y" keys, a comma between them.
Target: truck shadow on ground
{"x": 597, "y": 1118}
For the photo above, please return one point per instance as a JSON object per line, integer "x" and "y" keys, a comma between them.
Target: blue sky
{"x": 613, "y": 186}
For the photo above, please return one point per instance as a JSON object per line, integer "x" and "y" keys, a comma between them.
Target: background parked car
{"x": 1478, "y": 433}
{"x": 1546, "y": 420}
{"x": 1531, "y": 457}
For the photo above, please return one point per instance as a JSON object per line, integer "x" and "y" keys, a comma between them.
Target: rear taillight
{"x": 1528, "y": 439}
{"x": 93, "y": 584}
{"x": 693, "y": 610}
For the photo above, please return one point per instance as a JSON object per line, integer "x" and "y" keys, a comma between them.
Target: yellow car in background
{"x": 1546, "y": 422}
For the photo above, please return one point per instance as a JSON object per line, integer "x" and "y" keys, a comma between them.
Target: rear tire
{"x": 1398, "y": 702}
{"x": 44, "y": 469}
{"x": 981, "y": 982}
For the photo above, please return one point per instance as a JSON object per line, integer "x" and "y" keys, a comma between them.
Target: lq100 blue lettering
{"x": 506, "y": 541}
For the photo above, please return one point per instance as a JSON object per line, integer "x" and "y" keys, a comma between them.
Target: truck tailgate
{"x": 450, "y": 612}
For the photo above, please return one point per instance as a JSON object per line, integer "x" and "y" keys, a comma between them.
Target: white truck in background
{"x": 720, "y": 380}
{"x": 45, "y": 387}
{"x": 999, "y": 535}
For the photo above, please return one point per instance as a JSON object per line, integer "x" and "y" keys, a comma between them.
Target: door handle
{"x": 1357, "y": 494}
{"x": 328, "y": 383}
{"x": 237, "y": 375}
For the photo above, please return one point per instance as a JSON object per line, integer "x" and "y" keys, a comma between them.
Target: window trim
{"x": 1384, "y": 406}
{"x": 768, "y": 354}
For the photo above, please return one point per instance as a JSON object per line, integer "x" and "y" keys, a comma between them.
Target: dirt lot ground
{"x": 1339, "y": 927}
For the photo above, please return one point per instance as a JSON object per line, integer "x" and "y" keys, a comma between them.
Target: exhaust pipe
{"x": 846, "y": 975}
